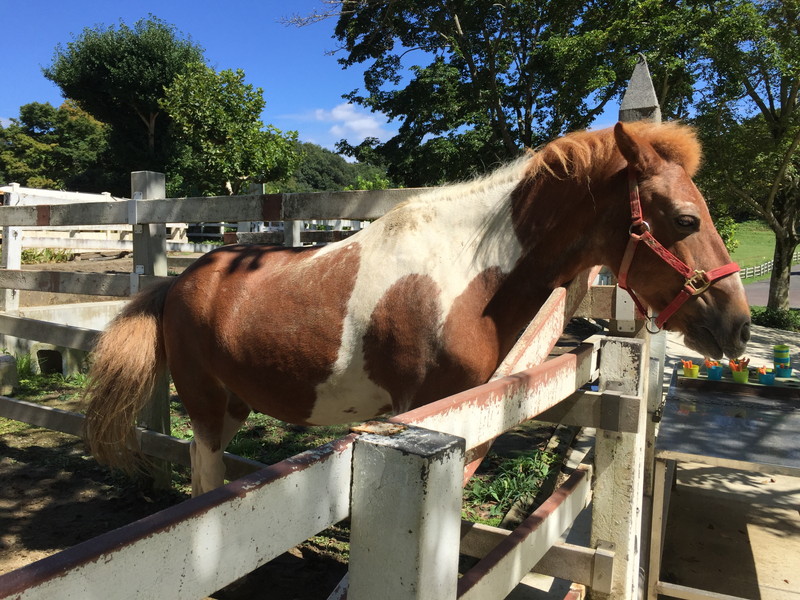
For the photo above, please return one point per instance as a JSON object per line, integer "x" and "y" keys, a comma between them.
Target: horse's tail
{"x": 127, "y": 364}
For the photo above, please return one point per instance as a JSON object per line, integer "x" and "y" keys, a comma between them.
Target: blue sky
{"x": 302, "y": 85}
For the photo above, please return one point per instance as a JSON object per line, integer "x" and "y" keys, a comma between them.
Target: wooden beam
{"x": 357, "y": 205}
{"x": 157, "y": 445}
{"x": 65, "y": 282}
{"x": 609, "y": 411}
{"x": 67, "y": 336}
{"x": 499, "y": 572}
{"x": 485, "y": 412}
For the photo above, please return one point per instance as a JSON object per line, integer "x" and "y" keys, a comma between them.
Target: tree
{"x": 323, "y": 170}
{"x": 54, "y": 148}
{"x": 492, "y": 78}
{"x": 750, "y": 119}
{"x": 118, "y": 76}
{"x": 218, "y": 117}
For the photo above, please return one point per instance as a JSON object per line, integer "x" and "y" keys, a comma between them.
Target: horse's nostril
{"x": 745, "y": 332}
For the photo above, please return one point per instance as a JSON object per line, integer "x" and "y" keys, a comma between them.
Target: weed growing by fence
{"x": 487, "y": 498}
{"x": 35, "y": 256}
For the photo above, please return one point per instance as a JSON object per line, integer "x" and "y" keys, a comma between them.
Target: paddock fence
{"x": 764, "y": 268}
{"x": 398, "y": 550}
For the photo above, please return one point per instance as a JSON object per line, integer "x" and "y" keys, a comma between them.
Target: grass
{"x": 35, "y": 256}
{"x": 487, "y": 498}
{"x": 756, "y": 244}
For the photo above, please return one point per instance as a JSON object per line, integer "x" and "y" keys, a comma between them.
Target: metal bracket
{"x": 624, "y": 312}
{"x": 603, "y": 567}
{"x": 133, "y": 211}
{"x": 134, "y": 285}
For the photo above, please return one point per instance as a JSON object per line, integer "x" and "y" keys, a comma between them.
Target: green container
{"x": 780, "y": 354}
{"x": 740, "y": 376}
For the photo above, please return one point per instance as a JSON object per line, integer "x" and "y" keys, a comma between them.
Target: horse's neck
{"x": 472, "y": 219}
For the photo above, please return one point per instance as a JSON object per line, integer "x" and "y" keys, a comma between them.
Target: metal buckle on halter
{"x": 698, "y": 283}
{"x": 643, "y": 226}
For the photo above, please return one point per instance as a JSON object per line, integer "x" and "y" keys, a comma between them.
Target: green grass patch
{"x": 756, "y": 244}
{"x": 488, "y": 497}
{"x": 35, "y": 256}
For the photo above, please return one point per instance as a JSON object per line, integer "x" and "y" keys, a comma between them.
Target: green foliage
{"x": 515, "y": 479}
{"x": 776, "y": 318}
{"x": 35, "y": 256}
{"x": 54, "y": 148}
{"x": 495, "y": 77}
{"x": 726, "y": 227}
{"x": 227, "y": 145}
{"x": 377, "y": 182}
{"x": 118, "y": 75}
{"x": 323, "y": 170}
{"x": 749, "y": 119}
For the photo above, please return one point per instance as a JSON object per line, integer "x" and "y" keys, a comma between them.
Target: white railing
{"x": 764, "y": 268}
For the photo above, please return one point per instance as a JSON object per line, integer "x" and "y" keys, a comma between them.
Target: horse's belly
{"x": 344, "y": 399}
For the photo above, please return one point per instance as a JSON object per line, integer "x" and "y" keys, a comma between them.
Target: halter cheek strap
{"x": 696, "y": 282}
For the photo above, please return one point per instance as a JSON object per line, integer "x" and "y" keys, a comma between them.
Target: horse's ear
{"x": 637, "y": 151}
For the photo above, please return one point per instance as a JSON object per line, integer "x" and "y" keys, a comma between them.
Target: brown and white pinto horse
{"x": 423, "y": 303}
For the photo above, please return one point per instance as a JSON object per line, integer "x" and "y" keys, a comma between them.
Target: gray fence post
{"x": 619, "y": 466}
{"x": 406, "y": 515}
{"x": 11, "y": 259}
{"x": 292, "y": 232}
{"x": 150, "y": 258}
{"x": 621, "y": 459}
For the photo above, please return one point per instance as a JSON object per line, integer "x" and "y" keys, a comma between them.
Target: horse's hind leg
{"x": 213, "y": 431}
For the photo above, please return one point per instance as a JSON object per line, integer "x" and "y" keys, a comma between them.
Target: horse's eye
{"x": 688, "y": 222}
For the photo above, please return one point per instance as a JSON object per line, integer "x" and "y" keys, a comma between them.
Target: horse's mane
{"x": 582, "y": 154}
{"x": 588, "y": 153}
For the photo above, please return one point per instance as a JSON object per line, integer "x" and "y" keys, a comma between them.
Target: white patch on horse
{"x": 451, "y": 235}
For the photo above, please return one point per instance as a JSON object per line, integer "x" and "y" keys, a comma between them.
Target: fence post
{"x": 619, "y": 466}
{"x": 292, "y": 232}
{"x": 11, "y": 259}
{"x": 405, "y": 515}
{"x": 618, "y": 505}
{"x": 150, "y": 258}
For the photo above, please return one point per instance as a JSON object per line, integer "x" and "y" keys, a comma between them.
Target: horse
{"x": 424, "y": 302}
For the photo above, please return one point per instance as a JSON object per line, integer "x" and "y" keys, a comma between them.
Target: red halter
{"x": 696, "y": 282}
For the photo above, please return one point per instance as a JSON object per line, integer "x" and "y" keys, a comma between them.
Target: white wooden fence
{"x": 399, "y": 550}
{"x": 765, "y": 268}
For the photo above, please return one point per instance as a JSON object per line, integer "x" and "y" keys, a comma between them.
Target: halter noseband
{"x": 696, "y": 282}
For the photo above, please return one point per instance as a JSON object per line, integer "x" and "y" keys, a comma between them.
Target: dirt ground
{"x": 53, "y": 496}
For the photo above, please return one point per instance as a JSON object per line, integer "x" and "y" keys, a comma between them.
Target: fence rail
{"x": 765, "y": 268}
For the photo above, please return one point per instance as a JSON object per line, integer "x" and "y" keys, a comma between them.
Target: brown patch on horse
{"x": 273, "y": 363}
{"x": 470, "y": 341}
{"x": 401, "y": 341}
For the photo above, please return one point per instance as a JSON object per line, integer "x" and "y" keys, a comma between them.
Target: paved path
{"x": 758, "y": 292}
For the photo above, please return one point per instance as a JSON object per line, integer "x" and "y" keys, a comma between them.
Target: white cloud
{"x": 326, "y": 127}
{"x": 348, "y": 122}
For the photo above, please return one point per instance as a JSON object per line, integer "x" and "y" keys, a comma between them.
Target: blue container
{"x": 715, "y": 373}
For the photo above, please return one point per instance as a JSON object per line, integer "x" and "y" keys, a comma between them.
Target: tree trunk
{"x": 781, "y": 273}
